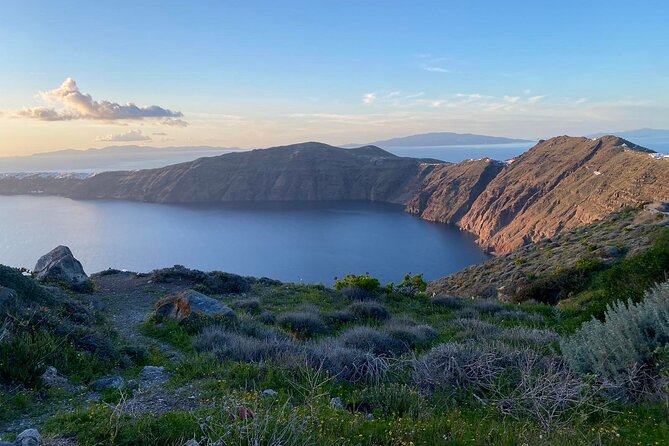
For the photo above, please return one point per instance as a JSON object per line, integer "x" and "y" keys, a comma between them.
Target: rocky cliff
{"x": 557, "y": 185}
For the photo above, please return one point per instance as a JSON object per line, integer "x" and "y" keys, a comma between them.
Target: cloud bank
{"x": 77, "y": 105}
{"x": 132, "y": 135}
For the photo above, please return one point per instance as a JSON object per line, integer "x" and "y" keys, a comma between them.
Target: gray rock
{"x": 7, "y": 297}
{"x": 28, "y": 437}
{"x": 192, "y": 442}
{"x": 336, "y": 403}
{"x": 369, "y": 416}
{"x": 183, "y": 304}
{"x": 112, "y": 382}
{"x": 52, "y": 379}
{"x": 269, "y": 392}
{"x": 60, "y": 265}
{"x": 153, "y": 374}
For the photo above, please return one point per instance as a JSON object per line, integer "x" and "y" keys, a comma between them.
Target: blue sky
{"x": 257, "y": 73}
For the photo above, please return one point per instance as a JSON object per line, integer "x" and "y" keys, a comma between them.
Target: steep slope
{"x": 559, "y": 184}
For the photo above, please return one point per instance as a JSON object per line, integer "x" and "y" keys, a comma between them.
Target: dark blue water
{"x": 287, "y": 241}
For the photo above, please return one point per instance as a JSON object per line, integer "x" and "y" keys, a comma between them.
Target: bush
{"x": 215, "y": 282}
{"x": 372, "y": 340}
{"x": 348, "y": 364}
{"x": 412, "y": 335}
{"x": 248, "y": 305}
{"x": 457, "y": 366}
{"x": 369, "y": 310}
{"x": 394, "y": 400}
{"x": 226, "y": 345}
{"x": 451, "y": 302}
{"x": 553, "y": 287}
{"x": 487, "y": 305}
{"x": 22, "y": 358}
{"x": 358, "y": 287}
{"x": 340, "y": 317}
{"x": 529, "y": 336}
{"x": 304, "y": 323}
{"x": 476, "y": 328}
{"x": 412, "y": 285}
{"x": 518, "y": 315}
{"x": 627, "y": 338}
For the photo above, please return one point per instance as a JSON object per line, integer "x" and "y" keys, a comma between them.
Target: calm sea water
{"x": 286, "y": 241}
{"x": 455, "y": 154}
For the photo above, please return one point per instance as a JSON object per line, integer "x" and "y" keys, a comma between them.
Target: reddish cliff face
{"x": 557, "y": 185}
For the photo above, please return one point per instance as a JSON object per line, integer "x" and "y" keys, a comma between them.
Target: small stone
{"x": 113, "y": 382}
{"x": 336, "y": 403}
{"x": 153, "y": 373}
{"x": 28, "y": 437}
{"x": 269, "y": 392}
{"x": 192, "y": 442}
{"x": 369, "y": 416}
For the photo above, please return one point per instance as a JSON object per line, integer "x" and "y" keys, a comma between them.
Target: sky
{"x": 79, "y": 74}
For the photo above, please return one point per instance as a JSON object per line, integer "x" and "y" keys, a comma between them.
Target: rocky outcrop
{"x": 59, "y": 265}
{"x": 557, "y": 185}
{"x": 189, "y": 303}
{"x": 450, "y": 189}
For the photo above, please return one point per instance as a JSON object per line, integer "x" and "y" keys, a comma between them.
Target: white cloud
{"x": 535, "y": 99}
{"x": 77, "y": 105}
{"x": 436, "y": 70}
{"x": 369, "y": 98}
{"x": 132, "y": 135}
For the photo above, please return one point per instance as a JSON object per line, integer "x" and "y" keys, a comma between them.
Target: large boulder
{"x": 28, "y": 437}
{"x": 189, "y": 303}
{"x": 60, "y": 266}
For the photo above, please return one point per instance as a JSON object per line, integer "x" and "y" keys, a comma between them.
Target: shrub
{"x": 249, "y": 305}
{"x": 303, "y": 323}
{"x": 365, "y": 281}
{"x": 22, "y": 358}
{"x": 340, "y": 317}
{"x": 413, "y": 335}
{"x": 529, "y": 335}
{"x": 215, "y": 282}
{"x": 412, "y": 285}
{"x": 358, "y": 287}
{"x": 372, "y": 340}
{"x": 627, "y": 338}
{"x": 518, "y": 315}
{"x": 487, "y": 305}
{"x": 457, "y": 366}
{"x": 267, "y": 317}
{"x": 451, "y": 302}
{"x": 395, "y": 400}
{"x": 348, "y": 364}
{"x": 226, "y": 345}
{"x": 476, "y": 328}
{"x": 369, "y": 310}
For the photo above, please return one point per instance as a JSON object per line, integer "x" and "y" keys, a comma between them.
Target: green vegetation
{"x": 357, "y": 365}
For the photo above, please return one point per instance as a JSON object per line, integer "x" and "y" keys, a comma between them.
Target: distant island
{"x": 124, "y": 157}
{"x": 636, "y": 133}
{"x": 444, "y": 139}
